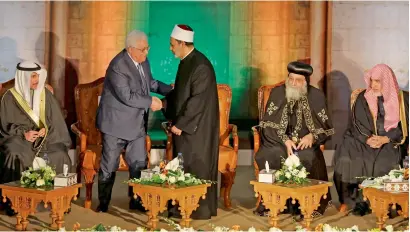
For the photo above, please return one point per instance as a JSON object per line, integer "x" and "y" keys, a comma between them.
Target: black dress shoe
{"x": 361, "y": 209}
{"x": 136, "y": 204}
{"x": 102, "y": 208}
{"x": 9, "y": 211}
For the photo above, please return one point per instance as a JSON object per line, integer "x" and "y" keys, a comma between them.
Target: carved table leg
{"x": 60, "y": 219}
{"x": 380, "y": 208}
{"x": 187, "y": 204}
{"x": 53, "y": 216}
{"x": 275, "y": 203}
{"x": 19, "y": 226}
{"x": 273, "y": 214}
{"x": 22, "y": 221}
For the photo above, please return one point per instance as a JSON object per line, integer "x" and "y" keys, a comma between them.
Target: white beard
{"x": 293, "y": 93}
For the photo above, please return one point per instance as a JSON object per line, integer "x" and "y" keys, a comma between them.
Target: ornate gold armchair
{"x": 89, "y": 137}
{"x": 228, "y": 154}
{"x": 354, "y": 95}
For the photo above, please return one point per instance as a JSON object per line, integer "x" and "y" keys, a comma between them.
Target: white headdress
{"x": 182, "y": 34}
{"x": 23, "y": 80}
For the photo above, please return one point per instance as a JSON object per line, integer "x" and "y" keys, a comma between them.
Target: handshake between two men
{"x": 156, "y": 104}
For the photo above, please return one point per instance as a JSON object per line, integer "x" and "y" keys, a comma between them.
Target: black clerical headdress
{"x": 300, "y": 68}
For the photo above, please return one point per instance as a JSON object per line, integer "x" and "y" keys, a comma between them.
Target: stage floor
{"x": 243, "y": 201}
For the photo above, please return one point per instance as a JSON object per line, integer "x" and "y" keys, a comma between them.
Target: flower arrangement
{"x": 41, "y": 177}
{"x": 395, "y": 175}
{"x": 236, "y": 228}
{"x": 170, "y": 175}
{"x": 292, "y": 171}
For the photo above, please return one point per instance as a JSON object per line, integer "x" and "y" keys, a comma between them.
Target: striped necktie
{"x": 144, "y": 81}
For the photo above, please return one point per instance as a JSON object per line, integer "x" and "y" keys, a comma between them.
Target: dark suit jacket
{"x": 125, "y": 98}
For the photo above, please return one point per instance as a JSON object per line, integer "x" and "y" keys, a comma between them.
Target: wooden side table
{"x": 24, "y": 201}
{"x": 380, "y": 201}
{"x": 155, "y": 198}
{"x": 275, "y": 196}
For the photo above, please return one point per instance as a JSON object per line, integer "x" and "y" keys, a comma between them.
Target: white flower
{"x": 302, "y": 175}
{"x": 274, "y": 229}
{"x": 187, "y": 174}
{"x": 172, "y": 165}
{"x": 218, "y": 229}
{"x": 190, "y": 229}
{"x": 62, "y": 229}
{"x": 115, "y": 229}
{"x": 163, "y": 230}
{"x": 252, "y": 229}
{"x": 327, "y": 228}
{"x": 288, "y": 175}
{"x": 389, "y": 228}
{"x": 40, "y": 182}
{"x": 278, "y": 173}
{"x": 355, "y": 228}
{"x": 295, "y": 172}
{"x": 172, "y": 179}
{"x": 140, "y": 229}
{"x": 181, "y": 178}
{"x": 163, "y": 176}
{"x": 300, "y": 229}
{"x": 292, "y": 160}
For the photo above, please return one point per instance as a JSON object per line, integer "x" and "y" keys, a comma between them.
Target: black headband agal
{"x": 28, "y": 69}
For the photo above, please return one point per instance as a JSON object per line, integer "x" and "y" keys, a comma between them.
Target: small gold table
{"x": 155, "y": 198}
{"x": 275, "y": 195}
{"x": 24, "y": 201}
{"x": 380, "y": 201}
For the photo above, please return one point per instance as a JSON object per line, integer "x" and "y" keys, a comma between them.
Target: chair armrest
{"x": 256, "y": 139}
{"x": 165, "y": 126}
{"x": 256, "y": 144}
{"x": 233, "y": 129}
{"x": 89, "y": 160}
{"x": 148, "y": 143}
{"x": 168, "y": 150}
{"x": 81, "y": 135}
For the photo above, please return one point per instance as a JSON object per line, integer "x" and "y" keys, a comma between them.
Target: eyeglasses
{"x": 143, "y": 49}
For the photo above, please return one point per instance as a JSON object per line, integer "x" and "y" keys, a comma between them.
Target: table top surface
{"x": 311, "y": 183}
{"x": 15, "y": 185}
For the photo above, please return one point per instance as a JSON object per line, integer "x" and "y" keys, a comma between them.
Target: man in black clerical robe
{"x": 31, "y": 124}
{"x": 193, "y": 108}
{"x": 296, "y": 120}
{"x": 372, "y": 146}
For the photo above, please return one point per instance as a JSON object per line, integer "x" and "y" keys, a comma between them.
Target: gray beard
{"x": 295, "y": 94}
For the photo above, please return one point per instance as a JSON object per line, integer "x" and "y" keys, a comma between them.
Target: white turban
{"x": 22, "y": 81}
{"x": 182, "y": 34}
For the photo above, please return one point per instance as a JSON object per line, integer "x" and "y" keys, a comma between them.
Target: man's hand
{"x": 377, "y": 141}
{"x": 156, "y": 104}
{"x": 42, "y": 132}
{"x": 31, "y": 136}
{"x": 176, "y": 131}
{"x": 289, "y": 145}
{"x": 306, "y": 142}
{"x": 164, "y": 103}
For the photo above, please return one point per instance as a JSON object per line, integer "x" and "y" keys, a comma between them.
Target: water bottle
{"x": 181, "y": 161}
{"x": 406, "y": 162}
{"x": 46, "y": 159}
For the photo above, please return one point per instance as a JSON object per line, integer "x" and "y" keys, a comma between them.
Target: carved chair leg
{"x": 79, "y": 178}
{"x": 227, "y": 181}
{"x": 89, "y": 175}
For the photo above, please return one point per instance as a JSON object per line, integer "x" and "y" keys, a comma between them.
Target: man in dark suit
{"x": 123, "y": 114}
